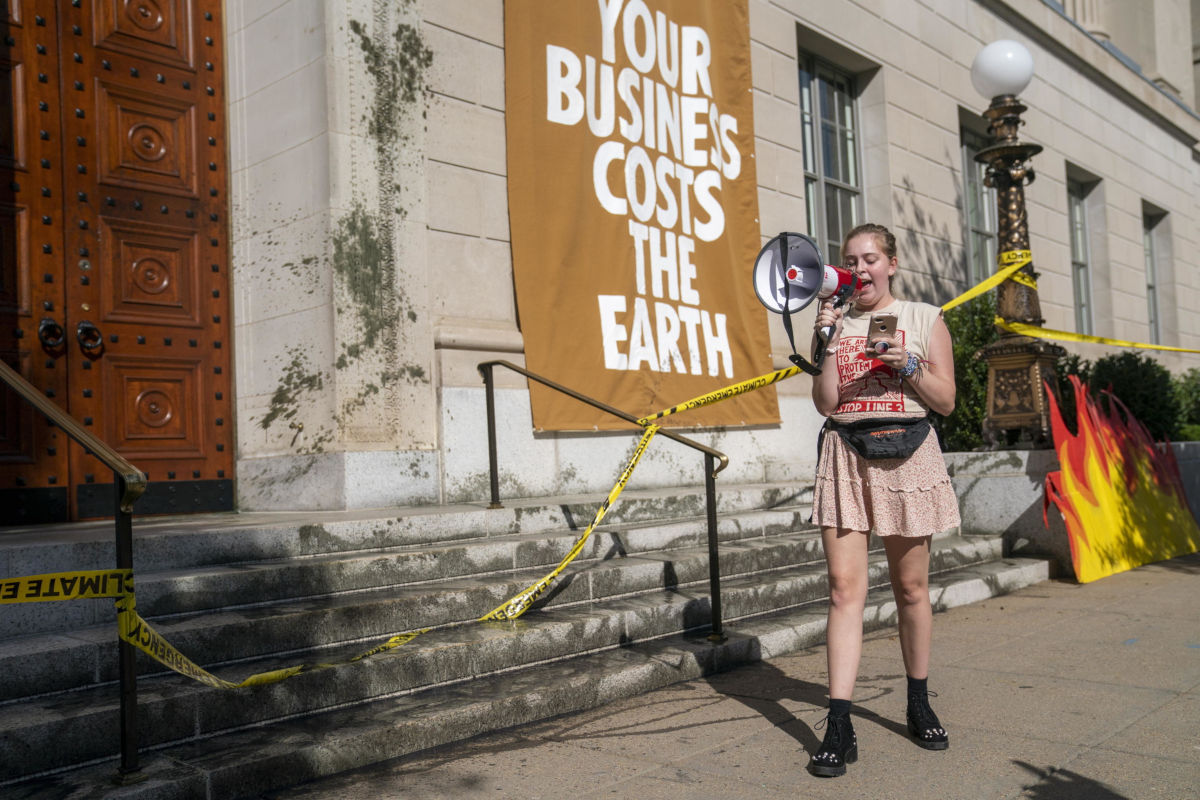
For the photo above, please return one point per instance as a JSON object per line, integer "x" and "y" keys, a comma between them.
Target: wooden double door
{"x": 114, "y": 253}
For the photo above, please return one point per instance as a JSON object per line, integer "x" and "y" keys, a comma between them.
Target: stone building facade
{"x": 371, "y": 262}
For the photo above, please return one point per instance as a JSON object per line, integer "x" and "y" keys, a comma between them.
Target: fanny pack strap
{"x": 821, "y": 440}
{"x": 867, "y": 424}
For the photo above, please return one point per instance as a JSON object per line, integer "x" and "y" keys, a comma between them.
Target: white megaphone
{"x": 789, "y": 273}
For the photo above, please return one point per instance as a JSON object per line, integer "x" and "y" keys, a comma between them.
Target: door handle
{"x": 51, "y": 334}
{"x": 89, "y": 336}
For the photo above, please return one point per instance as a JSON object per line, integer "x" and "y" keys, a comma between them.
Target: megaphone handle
{"x": 819, "y": 353}
{"x": 825, "y": 332}
{"x": 839, "y": 300}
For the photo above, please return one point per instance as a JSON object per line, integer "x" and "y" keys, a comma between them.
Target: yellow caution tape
{"x": 724, "y": 394}
{"x": 390, "y": 644}
{"x": 1067, "y": 336}
{"x": 133, "y": 629}
{"x": 67, "y": 586}
{"x": 1011, "y": 262}
{"x": 520, "y": 603}
{"x": 1024, "y": 279}
{"x": 138, "y": 632}
{"x": 118, "y": 584}
{"x": 1010, "y": 257}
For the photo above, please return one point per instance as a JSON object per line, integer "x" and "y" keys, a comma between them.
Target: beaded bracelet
{"x": 910, "y": 366}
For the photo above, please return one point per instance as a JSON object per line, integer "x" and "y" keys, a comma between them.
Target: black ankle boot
{"x": 924, "y": 725}
{"x": 839, "y": 748}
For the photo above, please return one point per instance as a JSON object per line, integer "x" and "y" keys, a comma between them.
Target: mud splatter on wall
{"x": 364, "y": 244}
{"x": 361, "y": 252}
{"x": 299, "y": 380}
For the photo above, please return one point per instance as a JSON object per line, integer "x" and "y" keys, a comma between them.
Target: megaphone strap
{"x": 797, "y": 359}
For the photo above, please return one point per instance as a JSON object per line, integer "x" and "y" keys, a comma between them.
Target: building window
{"x": 1149, "y": 234}
{"x": 832, "y": 178}
{"x": 1080, "y": 275}
{"x": 980, "y": 233}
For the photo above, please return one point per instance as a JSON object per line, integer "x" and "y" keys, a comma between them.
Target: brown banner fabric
{"x": 633, "y": 205}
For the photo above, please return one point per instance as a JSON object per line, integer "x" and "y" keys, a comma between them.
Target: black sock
{"x": 839, "y": 708}
{"x": 918, "y": 687}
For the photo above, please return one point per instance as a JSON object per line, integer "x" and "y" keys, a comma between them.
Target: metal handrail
{"x": 135, "y": 479}
{"x": 130, "y": 483}
{"x": 714, "y": 462}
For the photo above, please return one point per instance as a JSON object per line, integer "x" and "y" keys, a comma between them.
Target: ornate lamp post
{"x": 1017, "y": 412}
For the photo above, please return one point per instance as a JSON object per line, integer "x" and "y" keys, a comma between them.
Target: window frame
{"x": 1151, "y": 256}
{"x": 811, "y": 71}
{"x": 1079, "y": 239}
{"x": 973, "y": 186}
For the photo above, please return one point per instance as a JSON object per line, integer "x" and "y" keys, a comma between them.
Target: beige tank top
{"x": 868, "y": 388}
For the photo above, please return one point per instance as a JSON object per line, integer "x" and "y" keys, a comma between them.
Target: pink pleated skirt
{"x": 891, "y": 496}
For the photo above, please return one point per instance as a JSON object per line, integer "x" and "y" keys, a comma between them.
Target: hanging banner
{"x": 633, "y": 206}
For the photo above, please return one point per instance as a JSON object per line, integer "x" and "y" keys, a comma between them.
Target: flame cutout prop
{"x": 1119, "y": 492}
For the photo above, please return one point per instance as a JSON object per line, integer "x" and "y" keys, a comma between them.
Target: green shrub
{"x": 1070, "y": 364}
{"x": 1187, "y": 395}
{"x": 972, "y": 327}
{"x": 1189, "y": 432}
{"x": 1144, "y": 386}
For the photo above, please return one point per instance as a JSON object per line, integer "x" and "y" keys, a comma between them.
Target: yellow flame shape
{"x": 1119, "y": 492}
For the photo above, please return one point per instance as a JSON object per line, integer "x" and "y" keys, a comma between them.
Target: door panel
{"x": 149, "y": 30}
{"x": 35, "y": 476}
{"x": 154, "y": 420}
{"x": 140, "y": 252}
{"x": 145, "y": 141}
{"x": 153, "y": 275}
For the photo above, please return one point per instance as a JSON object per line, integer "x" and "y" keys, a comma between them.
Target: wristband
{"x": 910, "y": 366}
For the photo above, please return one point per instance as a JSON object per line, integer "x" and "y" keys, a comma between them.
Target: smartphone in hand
{"x": 883, "y": 328}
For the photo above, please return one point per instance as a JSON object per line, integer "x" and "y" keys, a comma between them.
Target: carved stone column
{"x": 1089, "y": 15}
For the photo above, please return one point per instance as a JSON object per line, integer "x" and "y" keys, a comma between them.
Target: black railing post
{"x": 130, "y": 483}
{"x": 490, "y": 392}
{"x": 714, "y": 561}
{"x": 126, "y": 773}
{"x": 710, "y": 469}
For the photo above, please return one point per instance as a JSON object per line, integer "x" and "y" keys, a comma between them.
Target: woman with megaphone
{"x": 889, "y": 363}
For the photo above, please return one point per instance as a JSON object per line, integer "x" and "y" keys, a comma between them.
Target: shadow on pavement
{"x": 1063, "y": 784}
{"x": 1188, "y": 564}
{"x": 764, "y": 688}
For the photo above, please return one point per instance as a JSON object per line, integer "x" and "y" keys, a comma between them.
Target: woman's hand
{"x": 895, "y": 356}
{"x": 825, "y": 385}
{"x": 934, "y": 378}
{"x": 829, "y": 317}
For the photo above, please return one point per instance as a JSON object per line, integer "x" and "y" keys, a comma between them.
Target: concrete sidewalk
{"x": 1056, "y": 692}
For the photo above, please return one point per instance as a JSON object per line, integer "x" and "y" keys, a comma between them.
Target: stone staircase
{"x": 244, "y": 594}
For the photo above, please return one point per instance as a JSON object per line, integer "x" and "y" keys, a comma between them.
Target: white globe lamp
{"x": 1003, "y": 67}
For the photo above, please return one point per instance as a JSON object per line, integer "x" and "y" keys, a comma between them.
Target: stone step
{"x": 286, "y": 752}
{"x": 66, "y": 660}
{"x": 55, "y": 730}
{"x": 62, "y": 661}
{"x": 165, "y": 543}
{"x": 204, "y": 587}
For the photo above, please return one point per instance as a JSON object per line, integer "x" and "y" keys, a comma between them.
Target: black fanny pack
{"x": 883, "y": 438}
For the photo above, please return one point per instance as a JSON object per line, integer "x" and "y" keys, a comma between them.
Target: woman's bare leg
{"x": 908, "y": 565}
{"x": 846, "y": 558}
